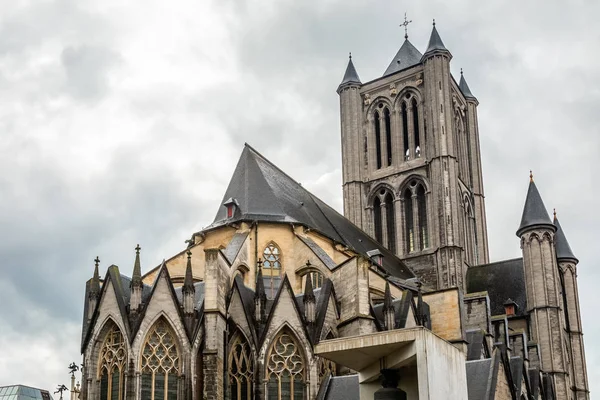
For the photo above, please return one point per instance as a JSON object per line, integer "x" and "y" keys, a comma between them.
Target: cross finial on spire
{"x": 350, "y": 55}
{"x": 137, "y": 249}
{"x": 461, "y": 72}
{"x": 434, "y": 22}
{"x": 405, "y": 25}
{"x": 530, "y": 176}
{"x": 554, "y": 213}
{"x": 97, "y": 261}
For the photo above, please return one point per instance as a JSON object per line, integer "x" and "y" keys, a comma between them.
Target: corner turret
{"x": 563, "y": 249}
{"x": 534, "y": 212}
{"x": 350, "y": 76}
{"x": 436, "y": 46}
{"x": 188, "y": 290}
{"x": 464, "y": 88}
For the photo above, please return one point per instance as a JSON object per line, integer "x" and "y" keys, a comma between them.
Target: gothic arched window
{"x": 241, "y": 370}
{"x": 422, "y": 207}
{"x": 391, "y": 222}
{"x": 377, "y": 138}
{"x": 285, "y": 369}
{"x": 408, "y": 220}
{"x": 377, "y": 217}
{"x": 405, "y": 132}
{"x": 417, "y": 140}
{"x": 316, "y": 279}
{"x": 112, "y": 358}
{"x": 160, "y": 363}
{"x": 388, "y": 134}
{"x": 271, "y": 268}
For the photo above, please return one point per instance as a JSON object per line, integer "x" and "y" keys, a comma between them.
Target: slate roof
{"x": 563, "y": 250}
{"x": 464, "y": 88}
{"x": 319, "y": 252}
{"x": 475, "y": 344}
{"x": 350, "y": 76}
{"x": 408, "y": 56}
{"x": 516, "y": 369}
{"x": 435, "y": 42}
{"x": 265, "y": 193}
{"x": 482, "y": 377}
{"x": 534, "y": 211}
{"x": 235, "y": 244}
{"x": 343, "y": 388}
{"x": 502, "y": 280}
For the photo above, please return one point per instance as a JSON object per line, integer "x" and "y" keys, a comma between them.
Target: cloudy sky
{"x": 121, "y": 123}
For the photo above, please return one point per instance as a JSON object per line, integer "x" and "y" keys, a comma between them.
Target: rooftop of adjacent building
{"x": 22, "y": 392}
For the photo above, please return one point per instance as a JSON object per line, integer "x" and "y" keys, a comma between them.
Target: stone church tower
{"x": 412, "y": 173}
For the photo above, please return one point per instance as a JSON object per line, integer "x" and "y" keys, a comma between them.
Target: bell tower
{"x": 411, "y": 162}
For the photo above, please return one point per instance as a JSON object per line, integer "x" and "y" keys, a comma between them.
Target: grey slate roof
{"x": 475, "y": 344}
{"x": 265, "y": 193}
{"x": 534, "y": 212}
{"x": 343, "y": 388}
{"x": 408, "y": 56}
{"x": 563, "y": 250}
{"x": 482, "y": 377}
{"x": 234, "y": 246}
{"x": 502, "y": 280}
{"x": 435, "y": 42}
{"x": 464, "y": 88}
{"x": 350, "y": 76}
{"x": 516, "y": 370}
{"x": 319, "y": 252}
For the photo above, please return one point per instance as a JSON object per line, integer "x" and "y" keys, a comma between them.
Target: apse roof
{"x": 21, "y": 392}
{"x": 407, "y": 56}
{"x": 265, "y": 193}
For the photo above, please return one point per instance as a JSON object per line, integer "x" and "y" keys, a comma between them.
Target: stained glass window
{"x": 285, "y": 369}
{"x": 241, "y": 370}
{"x": 160, "y": 364}
{"x": 112, "y": 365}
{"x": 271, "y": 269}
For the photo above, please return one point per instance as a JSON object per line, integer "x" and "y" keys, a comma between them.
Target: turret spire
{"x": 464, "y": 88}
{"x": 534, "y": 211}
{"x": 95, "y": 284}
{"x": 435, "y": 42}
{"x": 350, "y": 76}
{"x": 563, "y": 250}
{"x": 135, "y": 286}
{"x": 260, "y": 296}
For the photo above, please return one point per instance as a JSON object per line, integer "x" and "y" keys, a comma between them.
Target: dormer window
{"x": 376, "y": 257}
{"x": 510, "y": 307}
{"x": 231, "y": 205}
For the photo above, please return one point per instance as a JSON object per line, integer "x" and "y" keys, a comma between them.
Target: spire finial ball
{"x": 530, "y": 176}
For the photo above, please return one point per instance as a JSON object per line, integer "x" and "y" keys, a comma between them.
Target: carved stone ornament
{"x": 393, "y": 90}
{"x": 367, "y": 100}
{"x": 419, "y": 79}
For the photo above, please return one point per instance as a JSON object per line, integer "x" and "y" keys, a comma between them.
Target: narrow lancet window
{"x": 405, "y": 132}
{"x": 408, "y": 217}
{"x": 377, "y": 139}
{"x": 415, "y": 113}
{"x": 241, "y": 370}
{"x": 422, "y": 208}
{"x": 388, "y": 133}
{"x": 391, "y": 223}
{"x": 113, "y": 356}
{"x": 377, "y": 220}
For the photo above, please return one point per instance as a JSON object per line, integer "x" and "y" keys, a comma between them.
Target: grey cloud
{"x": 87, "y": 68}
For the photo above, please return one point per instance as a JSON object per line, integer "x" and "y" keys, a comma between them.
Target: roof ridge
{"x": 496, "y": 262}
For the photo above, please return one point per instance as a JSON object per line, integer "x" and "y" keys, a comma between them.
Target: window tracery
{"x": 384, "y": 219}
{"x": 411, "y": 126}
{"x": 112, "y": 358}
{"x": 241, "y": 370}
{"x": 416, "y": 229}
{"x": 271, "y": 268}
{"x": 160, "y": 364}
{"x": 316, "y": 279}
{"x": 285, "y": 369}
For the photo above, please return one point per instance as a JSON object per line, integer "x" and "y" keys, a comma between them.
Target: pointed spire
{"x": 188, "y": 284}
{"x": 260, "y": 296}
{"x": 95, "y": 284}
{"x": 563, "y": 249}
{"x": 534, "y": 212}
{"x": 136, "y": 278}
{"x": 464, "y": 88}
{"x": 351, "y": 76}
{"x": 389, "y": 312}
{"x": 435, "y": 42}
{"x": 309, "y": 294}
{"x": 309, "y": 301}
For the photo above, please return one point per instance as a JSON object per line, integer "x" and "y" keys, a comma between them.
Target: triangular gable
{"x": 162, "y": 300}
{"x": 240, "y": 310}
{"x": 285, "y": 307}
{"x": 327, "y": 310}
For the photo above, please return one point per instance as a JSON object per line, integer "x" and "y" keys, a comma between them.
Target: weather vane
{"x": 405, "y": 25}
{"x": 73, "y": 368}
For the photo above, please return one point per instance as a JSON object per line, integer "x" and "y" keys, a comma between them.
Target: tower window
{"x": 377, "y": 219}
{"x": 408, "y": 217}
{"x": 405, "y": 131}
{"x": 377, "y": 139}
{"x": 422, "y": 208}
{"x": 388, "y": 133}
{"x": 417, "y": 142}
{"x": 391, "y": 223}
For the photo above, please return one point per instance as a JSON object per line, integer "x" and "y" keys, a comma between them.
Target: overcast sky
{"x": 121, "y": 123}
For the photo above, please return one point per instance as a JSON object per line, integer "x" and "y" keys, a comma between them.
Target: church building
{"x": 283, "y": 298}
